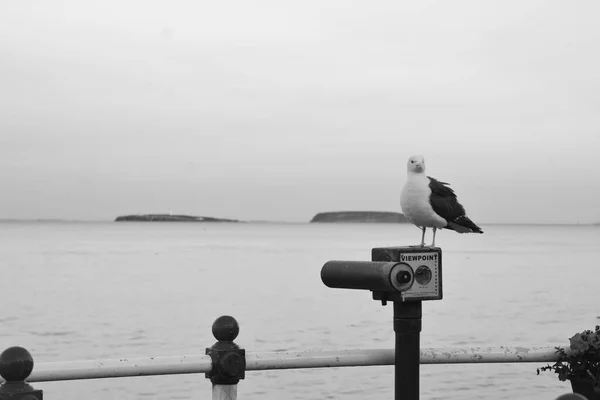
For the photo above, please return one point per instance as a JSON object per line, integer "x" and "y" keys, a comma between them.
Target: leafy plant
{"x": 582, "y": 360}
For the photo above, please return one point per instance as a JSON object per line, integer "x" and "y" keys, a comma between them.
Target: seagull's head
{"x": 416, "y": 164}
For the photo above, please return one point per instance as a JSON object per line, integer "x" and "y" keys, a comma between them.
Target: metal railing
{"x": 16, "y": 363}
{"x": 261, "y": 361}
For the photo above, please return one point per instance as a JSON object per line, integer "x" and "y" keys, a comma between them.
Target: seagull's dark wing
{"x": 443, "y": 200}
{"x": 444, "y": 203}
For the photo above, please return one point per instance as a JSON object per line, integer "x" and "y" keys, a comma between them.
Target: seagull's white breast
{"x": 414, "y": 200}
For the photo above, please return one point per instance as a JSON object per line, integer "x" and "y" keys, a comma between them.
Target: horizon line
{"x": 50, "y": 220}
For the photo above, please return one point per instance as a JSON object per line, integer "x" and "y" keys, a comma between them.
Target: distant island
{"x": 360, "y": 216}
{"x": 170, "y": 218}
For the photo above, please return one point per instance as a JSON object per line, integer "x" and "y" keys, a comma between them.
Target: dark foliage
{"x": 582, "y": 360}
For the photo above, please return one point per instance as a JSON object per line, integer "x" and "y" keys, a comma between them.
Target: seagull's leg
{"x": 423, "y": 237}
{"x": 433, "y": 244}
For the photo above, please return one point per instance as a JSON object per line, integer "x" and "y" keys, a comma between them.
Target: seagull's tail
{"x": 463, "y": 224}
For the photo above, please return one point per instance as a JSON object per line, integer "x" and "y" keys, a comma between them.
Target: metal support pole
{"x": 16, "y": 365}
{"x": 407, "y": 325}
{"x": 228, "y": 360}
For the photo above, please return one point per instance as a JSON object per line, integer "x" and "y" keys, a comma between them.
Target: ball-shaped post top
{"x": 16, "y": 364}
{"x": 225, "y": 329}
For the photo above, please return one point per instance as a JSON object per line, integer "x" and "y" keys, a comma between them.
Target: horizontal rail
{"x": 118, "y": 368}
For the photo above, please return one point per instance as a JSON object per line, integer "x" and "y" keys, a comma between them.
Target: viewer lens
{"x": 403, "y": 277}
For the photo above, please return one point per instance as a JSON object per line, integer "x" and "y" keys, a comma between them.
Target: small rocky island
{"x": 170, "y": 218}
{"x": 360, "y": 216}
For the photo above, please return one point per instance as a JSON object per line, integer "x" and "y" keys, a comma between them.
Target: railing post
{"x": 16, "y": 365}
{"x": 228, "y": 360}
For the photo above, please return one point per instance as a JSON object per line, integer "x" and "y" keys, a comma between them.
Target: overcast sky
{"x": 277, "y": 110}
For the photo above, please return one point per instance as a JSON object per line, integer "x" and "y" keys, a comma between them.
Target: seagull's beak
{"x": 419, "y": 167}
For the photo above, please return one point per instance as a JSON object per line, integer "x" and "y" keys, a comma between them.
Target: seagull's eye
{"x": 412, "y": 161}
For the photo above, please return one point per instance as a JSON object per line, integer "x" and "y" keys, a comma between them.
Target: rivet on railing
{"x": 228, "y": 360}
{"x": 16, "y": 365}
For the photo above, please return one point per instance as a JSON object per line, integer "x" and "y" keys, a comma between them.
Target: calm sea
{"x": 75, "y": 291}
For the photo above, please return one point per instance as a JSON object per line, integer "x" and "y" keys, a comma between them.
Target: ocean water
{"x": 81, "y": 291}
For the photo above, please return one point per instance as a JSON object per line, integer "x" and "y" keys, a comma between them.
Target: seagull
{"x": 429, "y": 203}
